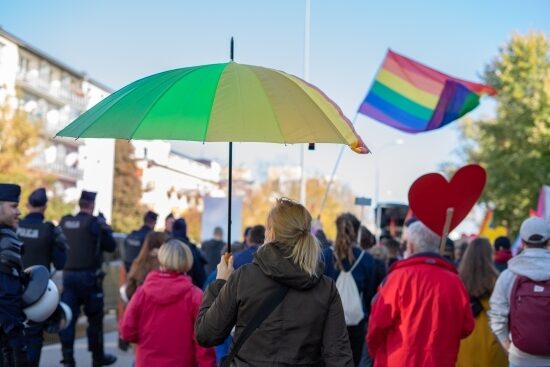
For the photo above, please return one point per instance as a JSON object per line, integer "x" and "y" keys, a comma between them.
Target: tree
{"x": 193, "y": 218}
{"x": 256, "y": 204}
{"x": 20, "y": 139}
{"x": 127, "y": 210}
{"x": 514, "y": 147}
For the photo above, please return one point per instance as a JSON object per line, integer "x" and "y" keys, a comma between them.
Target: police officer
{"x": 134, "y": 241}
{"x": 44, "y": 244}
{"x": 88, "y": 236}
{"x": 12, "y": 342}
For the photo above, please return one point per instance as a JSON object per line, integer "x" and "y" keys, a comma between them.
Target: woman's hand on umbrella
{"x": 225, "y": 267}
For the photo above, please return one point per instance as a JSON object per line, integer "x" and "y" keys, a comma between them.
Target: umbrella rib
{"x": 212, "y": 105}
{"x": 159, "y": 98}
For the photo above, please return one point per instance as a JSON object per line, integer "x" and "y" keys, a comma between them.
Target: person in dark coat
{"x": 12, "y": 341}
{"x": 134, "y": 241}
{"x": 368, "y": 274}
{"x": 307, "y": 329}
{"x": 322, "y": 239}
{"x": 88, "y": 237}
{"x": 197, "y": 273}
{"x": 502, "y": 253}
{"x": 257, "y": 238}
{"x": 45, "y": 244}
{"x": 212, "y": 250}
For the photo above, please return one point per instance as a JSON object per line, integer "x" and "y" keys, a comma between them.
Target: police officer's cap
{"x": 88, "y": 196}
{"x": 10, "y": 192}
{"x": 38, "y": 198}
{"x": 150, "y": 216}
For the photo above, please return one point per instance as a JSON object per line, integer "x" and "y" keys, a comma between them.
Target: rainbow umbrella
{"x": 227, "y": 102}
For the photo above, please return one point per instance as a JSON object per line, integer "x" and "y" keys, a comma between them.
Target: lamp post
{"x": 306, "y": 78}
{"x": 377, "y": 183}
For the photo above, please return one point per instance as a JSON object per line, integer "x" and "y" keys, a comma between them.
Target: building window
{"x": 23, "y": 64}
{"x": 2, "y": 46}
{"x": 45, "y": 70}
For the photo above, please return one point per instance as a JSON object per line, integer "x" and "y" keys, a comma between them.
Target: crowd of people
{"x": 286, "y": 296}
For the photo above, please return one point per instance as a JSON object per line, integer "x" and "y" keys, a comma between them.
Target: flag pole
{"x": 336, "y": 164}
{"x": 307, "y": 22}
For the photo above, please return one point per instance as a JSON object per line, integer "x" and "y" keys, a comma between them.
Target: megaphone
{"x": 40, "y": 295}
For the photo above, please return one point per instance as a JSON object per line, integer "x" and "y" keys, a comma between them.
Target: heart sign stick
{"x": 440, "y": 204}
{"x": 448, "y": 218}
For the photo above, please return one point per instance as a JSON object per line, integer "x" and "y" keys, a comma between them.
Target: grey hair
{"x": 423, "y": 238}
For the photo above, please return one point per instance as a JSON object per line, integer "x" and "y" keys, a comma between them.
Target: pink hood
{"x": 166, "y": 287}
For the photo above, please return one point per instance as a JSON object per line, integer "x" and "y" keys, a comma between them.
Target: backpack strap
{"x": 357, "y": 262}
{"x": 266, "y": 308}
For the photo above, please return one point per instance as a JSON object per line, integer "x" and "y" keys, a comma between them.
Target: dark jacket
{"x": 11, "y": 289}
{"x": 54, "y": 251}
{"x": 212, "y": 250}
{"x": 368, "y": 275}
{"x": 197, "y": 273}
{"x": 245, "y": 256}
{"x": 306, "y": 329}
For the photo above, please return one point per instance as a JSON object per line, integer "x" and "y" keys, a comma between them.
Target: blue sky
{"x": 116, "y": 42}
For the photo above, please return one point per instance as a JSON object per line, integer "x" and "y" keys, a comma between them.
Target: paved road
{"x": 51, "y": 354}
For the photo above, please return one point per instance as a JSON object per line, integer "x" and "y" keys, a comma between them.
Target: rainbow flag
{"x": 414, "y": 98}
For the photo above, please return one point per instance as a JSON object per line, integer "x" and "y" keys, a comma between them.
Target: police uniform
{"x": 87, "y": 236}
{"x": 44, "y": 244}
{"x": 12, "y": 342}
{"x": 134, "y": 241}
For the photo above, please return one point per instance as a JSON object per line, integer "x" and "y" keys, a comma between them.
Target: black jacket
{"x": 306, "y": 329}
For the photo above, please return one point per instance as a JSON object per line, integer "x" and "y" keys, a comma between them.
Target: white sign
{"x": 215, "y": 215}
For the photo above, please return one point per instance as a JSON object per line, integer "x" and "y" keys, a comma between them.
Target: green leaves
{"x": 514, "y": 147}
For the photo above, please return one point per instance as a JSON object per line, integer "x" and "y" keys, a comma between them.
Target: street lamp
{"x": 377, "y": 182}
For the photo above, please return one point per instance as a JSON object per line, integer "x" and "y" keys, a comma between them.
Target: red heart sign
{"x": 430, "y": 196}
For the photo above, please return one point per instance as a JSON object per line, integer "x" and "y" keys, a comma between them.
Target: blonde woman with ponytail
{"x": 305, "y": 328}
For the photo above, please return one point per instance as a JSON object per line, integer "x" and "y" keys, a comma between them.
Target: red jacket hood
{"x": 424, "y": 258}
{"x": 166, "y": 287}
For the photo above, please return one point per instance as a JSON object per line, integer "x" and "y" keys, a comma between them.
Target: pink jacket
{"x": 160, "y": 318}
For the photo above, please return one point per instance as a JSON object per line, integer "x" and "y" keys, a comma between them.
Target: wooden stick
{"x": 448, "y": 218}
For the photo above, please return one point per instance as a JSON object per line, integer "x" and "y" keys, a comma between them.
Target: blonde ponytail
{"x": 290, "y": 223}
{"x": 306, "y": 254}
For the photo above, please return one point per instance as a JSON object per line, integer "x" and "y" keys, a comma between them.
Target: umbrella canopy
{"x": 226, "y": 102}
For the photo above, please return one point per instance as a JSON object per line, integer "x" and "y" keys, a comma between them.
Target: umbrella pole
{"x": 334, "y": 173}
{"x": 229, "y": 192}
{"x": 230, "y": 182}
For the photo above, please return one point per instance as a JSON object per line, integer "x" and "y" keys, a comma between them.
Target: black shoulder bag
{"x": 267, "y": 307}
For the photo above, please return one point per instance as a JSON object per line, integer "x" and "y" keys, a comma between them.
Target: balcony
{"x": 52, "y": 91}
{"x": 60, "y": 170}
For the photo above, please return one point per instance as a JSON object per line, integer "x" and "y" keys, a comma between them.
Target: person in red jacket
{"x": 422, "y": 310}
{"x": 161, "y": 315}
